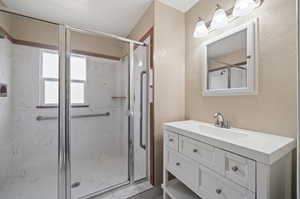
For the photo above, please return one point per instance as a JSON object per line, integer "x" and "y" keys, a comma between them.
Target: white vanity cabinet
{"x": 213, "y": 163}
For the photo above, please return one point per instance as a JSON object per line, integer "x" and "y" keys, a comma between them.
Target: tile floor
{"x": 93, "y": 176}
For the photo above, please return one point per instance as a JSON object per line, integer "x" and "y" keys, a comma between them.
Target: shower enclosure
{"x": 74, "y": 122}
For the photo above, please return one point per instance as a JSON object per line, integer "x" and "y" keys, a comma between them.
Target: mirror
{"x": 230, "y": 63}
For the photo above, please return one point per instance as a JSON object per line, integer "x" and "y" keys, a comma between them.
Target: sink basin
{"x": 221, "y": 132}
{"x": 217, "y": 132}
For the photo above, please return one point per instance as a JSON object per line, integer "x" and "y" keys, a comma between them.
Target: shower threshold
{"x": 123, "y": 190}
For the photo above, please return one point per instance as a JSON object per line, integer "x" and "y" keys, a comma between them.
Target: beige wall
{"x": 32, "y": 30}
{"x": 145, "y": 23}
{"x": 274, "y": 109}
{"x": 169, "y": 75}
{"x": 36, "y": 31}
{"x": 169, "y": 69}
{"x": 102, "y": 45}
{"x": 5, "y": 21}
{"x": 2, "y": 4}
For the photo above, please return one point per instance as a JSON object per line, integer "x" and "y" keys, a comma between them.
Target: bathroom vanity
{"x": 208, "y": 162}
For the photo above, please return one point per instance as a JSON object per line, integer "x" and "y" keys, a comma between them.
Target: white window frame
{"x": 85, "y": 103}
{"x": 42, "y": 81}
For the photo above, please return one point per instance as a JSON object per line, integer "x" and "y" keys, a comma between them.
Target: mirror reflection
{"x": 227, "y": 62}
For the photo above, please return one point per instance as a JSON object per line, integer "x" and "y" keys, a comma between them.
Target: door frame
{"x": 65, "y": 158}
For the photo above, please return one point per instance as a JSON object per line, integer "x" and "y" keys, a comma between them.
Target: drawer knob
{"x": 171, "y": 139}
{"x": 195, "y": 150}
{"x": 235, "y": 168}
{"x": 177, "y": 164}
{"x": 218, "y": 191}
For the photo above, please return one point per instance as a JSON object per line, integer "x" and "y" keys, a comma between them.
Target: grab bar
{"x": 141, "y": 108}
{"x": 41, "y": 118}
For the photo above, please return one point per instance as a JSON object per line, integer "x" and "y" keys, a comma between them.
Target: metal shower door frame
{"x": 64, "y": 160}
{"x": 64, "y": 156}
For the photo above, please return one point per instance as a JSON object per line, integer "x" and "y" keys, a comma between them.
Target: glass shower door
{"x": 141, "y": 119}
{"x": 29, "y": 70}
{"x": 99, "y": 114}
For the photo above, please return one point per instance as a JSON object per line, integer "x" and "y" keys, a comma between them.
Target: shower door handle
{"x": 142, "y": 145}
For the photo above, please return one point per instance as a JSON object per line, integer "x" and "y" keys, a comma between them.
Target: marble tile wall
{"x": 5, "y": 107}
{"x": 28, "y": 148}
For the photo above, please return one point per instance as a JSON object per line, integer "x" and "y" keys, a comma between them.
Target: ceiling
{"x": 111, "y": 16}
{"x": 182, "y": 5}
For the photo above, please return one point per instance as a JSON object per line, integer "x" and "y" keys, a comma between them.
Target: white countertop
{"x": 262, "y": 147}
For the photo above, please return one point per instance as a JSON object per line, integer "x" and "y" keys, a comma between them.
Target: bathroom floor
{"x": 135, "y": 191}
{"x": 98, "y": 175}
{"x": 92, "y": 175}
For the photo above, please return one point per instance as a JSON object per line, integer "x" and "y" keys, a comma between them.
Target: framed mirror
{"x": 230, "y": 62}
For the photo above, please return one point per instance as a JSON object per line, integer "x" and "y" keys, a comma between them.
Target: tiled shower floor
{"x": 92, "y": 175}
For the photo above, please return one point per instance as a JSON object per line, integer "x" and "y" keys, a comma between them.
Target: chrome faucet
{"x": 220, "y": 122}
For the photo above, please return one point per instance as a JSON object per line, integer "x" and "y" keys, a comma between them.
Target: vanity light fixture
{"x": 243, "y": 7}
{"x": 222, "y": 17}
{"x": 201, "y": 29}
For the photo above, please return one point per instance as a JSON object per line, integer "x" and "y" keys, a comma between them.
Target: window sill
{"x": 73, "y": 106}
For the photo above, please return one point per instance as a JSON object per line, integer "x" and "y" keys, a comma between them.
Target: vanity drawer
{"x": 183, "y": 169}
{"x": 171, "y": 140}
{"x": 205, "y": 154}
{"x": 213, "y": 186}
{"x": 240, "y": 170}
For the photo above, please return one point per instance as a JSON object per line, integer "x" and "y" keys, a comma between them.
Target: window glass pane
{"x": 78, "y": 68}
{"x": 77, "y": 93}
{"x": 51, "y": 92}
{"x": 50, "y": 64}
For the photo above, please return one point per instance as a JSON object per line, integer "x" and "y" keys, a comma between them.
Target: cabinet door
{"x": 214, "y": 186}
{"x": 182, "y": 168}
{"x": 240, "y": 170}
{"x": 205, "y": 154}
{"x": 171, "y": 140}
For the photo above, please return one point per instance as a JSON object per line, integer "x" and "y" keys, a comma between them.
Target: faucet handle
{"x": 216, "y": 114}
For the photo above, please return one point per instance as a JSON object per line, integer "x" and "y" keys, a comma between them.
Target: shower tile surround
{"x": 31, "y": 164}
{"x": 5, "y": 113}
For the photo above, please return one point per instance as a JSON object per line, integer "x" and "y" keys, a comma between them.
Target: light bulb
{"x": 200, "y": 29}
{"x": 243, "y": 7}
{"x": 220, "y": 18}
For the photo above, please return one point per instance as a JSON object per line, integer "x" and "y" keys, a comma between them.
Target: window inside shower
{"x": 48, "y": 84}
{"x": 108, "y": 147}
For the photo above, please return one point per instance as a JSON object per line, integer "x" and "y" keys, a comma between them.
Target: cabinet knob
{"x": 177, "y": 164}
{"x": 195, "y": 150}
{"x": 235, "y": 168}
{"x": 171, "y": 139}
{"x": 218, "y": 191}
